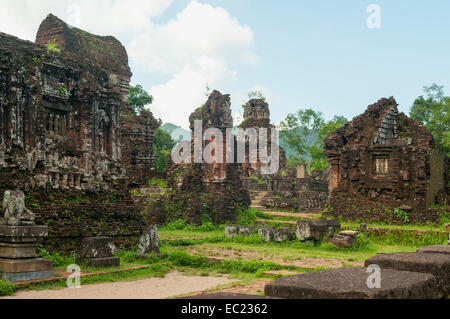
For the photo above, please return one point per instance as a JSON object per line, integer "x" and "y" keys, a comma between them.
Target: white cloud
{"x": 199, "y": 29}
{"x": 175, "y": 100}
{"x": 196, "y": 48}
{"x": 105, "y": 17}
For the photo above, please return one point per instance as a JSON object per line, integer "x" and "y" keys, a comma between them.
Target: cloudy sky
{"x": 301, "y": 54}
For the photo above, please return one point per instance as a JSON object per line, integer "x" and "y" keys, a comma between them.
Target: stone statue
{"x": 16, "y": 214}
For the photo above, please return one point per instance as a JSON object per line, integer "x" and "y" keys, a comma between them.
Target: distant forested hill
{"x": 170, "y": 128}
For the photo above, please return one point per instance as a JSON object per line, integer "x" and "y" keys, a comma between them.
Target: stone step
{"x": 436, "y": 264}
{"x": 351, "y": 283}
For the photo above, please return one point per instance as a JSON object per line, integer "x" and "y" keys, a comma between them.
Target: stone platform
{"x": 18, "y": 256}
{"x": 351, "y": 283}
{"x": 98, "y": 252}
{"x": 436, "y": 264}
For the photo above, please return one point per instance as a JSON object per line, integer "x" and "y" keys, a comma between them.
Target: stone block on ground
{"x": 349, "y": 233}
{"x": 247, "y": 230}
{"x": 97, "y": 247}
{"x": 231, "y": 231}
{"x": 351, "y": 283}
{"x": 267, "y": 233}
{"x": 149, "y": 242}
{"x": 284, "y": 234}
{"x": 104, "y": 262}
{"x": 341, "y": 241}
{"x": 435, "y": 264}
{"x": 439, "y": 249}
{"x": 316, "y": 229}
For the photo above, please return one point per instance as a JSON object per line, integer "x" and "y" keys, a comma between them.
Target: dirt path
{"x": 173, "y": 284}
{"x": 219, "y": 254}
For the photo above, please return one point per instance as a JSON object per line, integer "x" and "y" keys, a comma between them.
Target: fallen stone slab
{"x": 439, "y": 249}
{"x": 349, "y": 233}
{"x": 351, "y": 283}
{"x": 435, "y": 264}
{"x": 97, "y": 247}
{"x": 341, "y": 241}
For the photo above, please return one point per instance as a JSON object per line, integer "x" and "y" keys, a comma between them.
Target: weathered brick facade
{"x": 62, "y": 130}
{"x": 381, "y": 161}
{"x": 212, "y": 189}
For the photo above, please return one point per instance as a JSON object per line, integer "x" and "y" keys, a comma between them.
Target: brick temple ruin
{"x": 381, "y": 161}
{"x": 67, "y": 133}
{"x": 213, "y": 189}
{"x": 289, "y": 188}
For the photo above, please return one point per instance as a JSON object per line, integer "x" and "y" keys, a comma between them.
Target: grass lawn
{"x": 204, "y": 251}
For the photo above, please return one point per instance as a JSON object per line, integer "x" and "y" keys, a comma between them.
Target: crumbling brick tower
{"x": 135, "y": 132}
{"x": 257, "y": 115}
{"x": 61, "y": 107}
{"x": 212, "y": 189}
{"x": 61, "y": 100}
{"x": 381, "y": 161}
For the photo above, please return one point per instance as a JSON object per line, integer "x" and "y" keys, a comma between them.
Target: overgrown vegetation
{"x": 162, "y": 146}
{"x": 304, "y": 133}
{"x": 58, "y": 259}
{"x": 249, "y": 216}
{"x": 53, "y": 47}
{"x": 434, "y": 112}
{"x": 7, "y": 288}
{"x": 138, "y": 98}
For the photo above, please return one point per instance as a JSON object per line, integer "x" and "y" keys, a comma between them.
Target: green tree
{"x": 305, "y": 132}
{"x": 138, "y": 98}
{"x": 162, "y": 145}
{"x": 433, "y": 112}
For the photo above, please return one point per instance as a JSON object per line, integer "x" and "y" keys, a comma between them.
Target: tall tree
{"x": 162, "y": 145}
{"x": 434, "y": 112}
{"x": 138, "y": 98}
{"x": 305, "y": 132}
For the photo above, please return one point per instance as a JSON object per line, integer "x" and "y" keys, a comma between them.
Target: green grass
{"x": 7, "y": 288}
{"x": 189, "y": 246}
